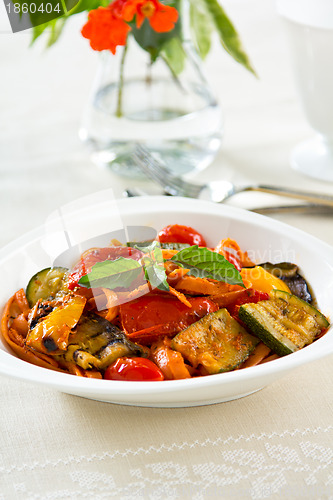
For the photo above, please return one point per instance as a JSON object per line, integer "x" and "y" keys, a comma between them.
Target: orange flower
{"x": 161, "y": 17}
{"x": 105, "y": 29}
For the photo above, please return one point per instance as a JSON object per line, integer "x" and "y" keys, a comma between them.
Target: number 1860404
{"x": 33, "y": 8}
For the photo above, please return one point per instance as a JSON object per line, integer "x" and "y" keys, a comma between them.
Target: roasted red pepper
{"x": 157, "y": 314}
{"x": 247, "y": 296}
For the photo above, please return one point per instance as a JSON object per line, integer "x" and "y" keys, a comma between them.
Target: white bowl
{"x": 266, "y": 239}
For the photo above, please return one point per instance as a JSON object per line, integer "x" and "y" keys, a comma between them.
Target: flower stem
{"x": 119, "y": 110}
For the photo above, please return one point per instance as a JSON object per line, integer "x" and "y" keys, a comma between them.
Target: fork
{"x": 217, "y": 191}
{"x": 307, "y": 208}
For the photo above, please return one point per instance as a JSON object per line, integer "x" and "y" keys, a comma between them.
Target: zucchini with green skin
{"x": 164, "y": 246}
{"x": 217, "y": 342}
{"x": 46, "y": 284}
{"x": 285, "y": 323}
{"x": 174, "y": 246}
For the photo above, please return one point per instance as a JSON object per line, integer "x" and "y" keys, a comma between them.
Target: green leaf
{"x": 55, "y": 27}
{"x": 174, "y": 55}
{"x": 87, "y": 5}
{"x": 122, "y": 272}
{"x": 150, "y": 40}
{"x": 207, "y": 264}
{"x": 227, "y": 33}
{"x": 70, "y": 4}
{"x": 156, "y": 276}
{"x": 52, "y": 28}
{"x": 56, "y": 30}
{"x": 201, "y": 28}
{"x": 39, "y": 30}
{"x": 112, "y": 274}
{"x": 153, "y": 264}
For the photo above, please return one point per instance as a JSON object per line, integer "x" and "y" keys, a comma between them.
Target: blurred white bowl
{"x": 264, "y": 238}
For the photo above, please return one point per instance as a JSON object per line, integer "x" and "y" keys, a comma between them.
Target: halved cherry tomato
{"x": 177, "y": 233}
{"x": 133, "y": 369}
{"x": 100, "y": 255}
{"x": 164, "y": 311}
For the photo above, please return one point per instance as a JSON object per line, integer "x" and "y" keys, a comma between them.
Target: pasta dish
{"x": 167, "y": 309}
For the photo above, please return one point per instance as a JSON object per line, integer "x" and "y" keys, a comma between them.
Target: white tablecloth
{"x": 276, "y": 443}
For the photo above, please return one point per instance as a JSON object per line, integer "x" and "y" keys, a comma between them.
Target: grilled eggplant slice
{"x": 285, "y": 323}
{"x": 217, "y": 342}
{"x": 46, "y": 284}
{"x": 288, "y": 273}
{"x": 96, "y": 343}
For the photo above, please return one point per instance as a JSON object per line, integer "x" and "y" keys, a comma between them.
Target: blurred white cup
{"x": 309, "y": 25}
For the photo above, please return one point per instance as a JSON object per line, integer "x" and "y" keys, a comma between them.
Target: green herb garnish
{"x": 122, "y": 272}
{"x": 205, "y": 263}
{"x": 154, "y": 265}
{"x": 118, "y": 273}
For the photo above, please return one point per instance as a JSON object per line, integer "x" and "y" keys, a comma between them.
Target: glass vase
{"x": 170, "y": 109}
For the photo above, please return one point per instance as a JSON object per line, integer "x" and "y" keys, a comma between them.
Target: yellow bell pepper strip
{"x": 50, "y": 335}
{"x": 260, "y": 279}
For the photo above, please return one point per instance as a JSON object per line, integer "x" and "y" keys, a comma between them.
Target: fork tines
{"x": 156, "y": 171}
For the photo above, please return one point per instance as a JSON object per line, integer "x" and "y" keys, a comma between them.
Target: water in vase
{"x": 180, "y": 126}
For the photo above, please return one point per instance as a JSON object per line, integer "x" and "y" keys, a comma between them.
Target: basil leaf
{"x": 204, "y": 263}
{"x": 156, "y": 276}
{"x": 112, "y": 274}
{"x": 154, "y": 264}
{"x": 122, "y": 272}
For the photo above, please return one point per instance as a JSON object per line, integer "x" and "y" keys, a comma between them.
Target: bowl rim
{"x": 14, "y": 367}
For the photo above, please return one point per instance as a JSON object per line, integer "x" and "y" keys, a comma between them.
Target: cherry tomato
{"x": 163, "y": 310}
{"x": 133, "y": 369}
{"x": 177, "y": 233}
{"x": 99, "y": 255}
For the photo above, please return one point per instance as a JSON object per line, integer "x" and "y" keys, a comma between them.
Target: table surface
{"x": 276, "y": 443}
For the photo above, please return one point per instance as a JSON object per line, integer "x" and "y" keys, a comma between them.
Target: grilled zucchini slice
{"x": 174, "y": 246}
{"x": 163, "y": 246}
{"x": 217, "y": 342}
{"x": 46, "y": 284}
{"x": 285, "y": 323}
